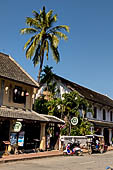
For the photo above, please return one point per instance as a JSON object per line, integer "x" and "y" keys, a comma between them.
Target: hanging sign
{"x": 74, "y": 121}
{"x": 17, "y": 126}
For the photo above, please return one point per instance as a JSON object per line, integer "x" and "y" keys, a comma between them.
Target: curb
{"x": 4, "y": 160}
{"x": 31, "y": 157}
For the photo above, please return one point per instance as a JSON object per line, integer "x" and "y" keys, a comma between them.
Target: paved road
{"x": 86, "y": 162}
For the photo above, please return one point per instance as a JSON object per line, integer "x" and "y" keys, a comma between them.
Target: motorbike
{"x": 109, "y": 168}
{"x": 73, "y": 149}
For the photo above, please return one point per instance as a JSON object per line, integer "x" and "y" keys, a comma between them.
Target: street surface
{"x": 85, "y": 162}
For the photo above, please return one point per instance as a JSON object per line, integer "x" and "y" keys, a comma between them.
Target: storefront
{"x": 104, "y": 128}
{"x": 27, "y": 130}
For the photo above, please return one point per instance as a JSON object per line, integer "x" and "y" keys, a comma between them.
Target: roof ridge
{"x": 83, "y": 86}
{"x": 53, "y": 117}
{"x": 11, "y": 58}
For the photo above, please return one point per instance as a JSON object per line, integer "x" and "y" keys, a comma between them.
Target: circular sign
{"x": 74, "y": 121}
{"x": 17, "y": 126}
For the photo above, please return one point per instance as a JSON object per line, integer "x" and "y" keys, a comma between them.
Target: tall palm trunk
{"x": 41, "y": 64}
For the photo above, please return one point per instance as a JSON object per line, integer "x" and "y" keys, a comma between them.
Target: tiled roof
{"x": 87, "y": 93}
{"x": 12, "y": 112}
{"x": 20, "y": 114}
{"x": 11, "y": 70}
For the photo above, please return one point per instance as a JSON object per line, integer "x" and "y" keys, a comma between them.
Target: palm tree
{"x": 45, "y": 36}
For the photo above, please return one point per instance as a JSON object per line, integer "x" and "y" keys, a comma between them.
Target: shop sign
{"x": 13, "y": 138}
{"x": 74, "y": 121}
{"x": 17, "y": 126}
{"x": 21, "y": 138}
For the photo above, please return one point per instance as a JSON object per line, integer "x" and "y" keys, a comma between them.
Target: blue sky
{"x": 87, "y": 56}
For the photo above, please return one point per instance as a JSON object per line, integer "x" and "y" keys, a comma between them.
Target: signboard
{"x": 13, "y": 138}
{"x": 17, "y": 126}
{"x": 74, "y": 121}
{"x": 48, "y": 141}
{"x": 21, "y": 138}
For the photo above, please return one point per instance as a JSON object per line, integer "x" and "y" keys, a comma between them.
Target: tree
{"x": 71, "y": 106}
{"x": 40, "y": 105}
{"x": 47, "y": 77}
{"x": 45, "y": 36}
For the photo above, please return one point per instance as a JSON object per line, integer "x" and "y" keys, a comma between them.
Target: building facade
{"x": 19, "y": 124}
{"x": 102, "y": 119}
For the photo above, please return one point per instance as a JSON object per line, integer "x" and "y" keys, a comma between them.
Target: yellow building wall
{"x": 8, "y": 98}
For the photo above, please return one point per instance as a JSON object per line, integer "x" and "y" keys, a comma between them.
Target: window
{"x": 19, "y": 96}
{"x": 111, "y": 118}
{"x": 104, "y": 114}
{"x": 95, "y": 113}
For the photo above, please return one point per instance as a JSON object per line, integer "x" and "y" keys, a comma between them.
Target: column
{"x": 102, "y": 131}
{"x": 2, "y": 92}
{"x": 42, "y": 137}
{"x": 110, "y": 136}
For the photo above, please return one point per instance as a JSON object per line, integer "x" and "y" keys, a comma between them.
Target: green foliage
{"x": 81, "y": 129}
{"x": 40, "y": 105}
{"x": 45, "y": 37}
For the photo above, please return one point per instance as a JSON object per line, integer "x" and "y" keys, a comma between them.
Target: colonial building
{"x": 102, "y": 119}
{"x": 19, "y": 124}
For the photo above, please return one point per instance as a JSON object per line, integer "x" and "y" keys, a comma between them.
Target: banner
{"x": 13, "y": 138}
{"x": 21, "y": 138}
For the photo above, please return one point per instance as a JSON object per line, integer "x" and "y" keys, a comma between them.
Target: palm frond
{"x": 48, "y": 18}
{"x": 56, "y": 55}
{"x": 43, "y": 17}
{"x": 28, "y": 42}
{"x": 36, "y": 58}
{"x": 36, "y": 15}
{"x": 28, "y": 31}
{"x": 49, "y": 14}
{"x": 33, "y": 22}
{"x": 31, "y": 49}
{"x": 52, "y": 20}
{"x": 61, "y": 35}
{"x": 55, "y": 41}
{"x": 61, "y": 27}
{"x": 54, "y": 49}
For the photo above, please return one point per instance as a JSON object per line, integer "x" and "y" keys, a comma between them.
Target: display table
{"x": 36, "y": 142}
{"x": 7, "y": 143}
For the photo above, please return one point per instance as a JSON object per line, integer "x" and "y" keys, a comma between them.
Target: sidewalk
{"x": 27, "y": 156}
{"x": 38, "y": 155}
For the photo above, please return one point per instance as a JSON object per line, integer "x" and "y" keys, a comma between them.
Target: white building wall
{"x": 99, "y": 114}
{"x": 107, "y": 115}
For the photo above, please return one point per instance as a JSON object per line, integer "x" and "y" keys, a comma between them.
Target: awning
{"x": 53, "y": 119}
{"x": 101, "y": 123}
{"x": 12, "y": 112}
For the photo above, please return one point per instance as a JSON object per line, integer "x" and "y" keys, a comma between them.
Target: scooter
{"x": 72, "y": 149}
{"x": 109, "y": 168}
